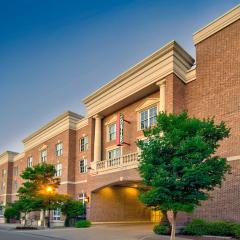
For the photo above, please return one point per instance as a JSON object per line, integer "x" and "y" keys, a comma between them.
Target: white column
{"x": 98, "y": 139}
{"x": 162, "y": 98}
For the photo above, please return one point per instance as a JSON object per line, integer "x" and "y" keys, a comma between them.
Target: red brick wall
{"x": 216, "y": 92}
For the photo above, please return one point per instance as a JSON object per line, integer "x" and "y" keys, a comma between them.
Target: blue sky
{"x": 53, "y": 53}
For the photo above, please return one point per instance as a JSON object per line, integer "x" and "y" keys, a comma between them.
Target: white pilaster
{"x": 98, "y": 138}
{"x": 162, "y": 97}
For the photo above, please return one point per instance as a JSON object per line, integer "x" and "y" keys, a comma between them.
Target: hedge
{"x": 83, "y": 224}
{"x": 200, "y": 227}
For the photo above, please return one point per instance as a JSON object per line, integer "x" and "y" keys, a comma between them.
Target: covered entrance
{"x": 119, "y": 202}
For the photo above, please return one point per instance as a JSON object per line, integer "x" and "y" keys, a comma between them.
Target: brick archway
{"x": 118, "y": 202}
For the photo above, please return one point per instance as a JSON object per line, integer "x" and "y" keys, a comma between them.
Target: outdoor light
{"x": 49, "y": 189}
{"x": 86, "y": 199}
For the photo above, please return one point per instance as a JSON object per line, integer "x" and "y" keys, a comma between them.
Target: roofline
{"x": 216, "y": 25}
{"x": 160, "y": 52}
{"x": 7, "y": 152}
{"x": 51, "y": 123}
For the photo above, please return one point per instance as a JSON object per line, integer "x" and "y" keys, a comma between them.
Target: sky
{"x": 53, "y": 53}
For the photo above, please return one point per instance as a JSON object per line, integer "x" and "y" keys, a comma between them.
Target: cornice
{"x": 171, "y": 58}
{"x": 191, "y": 74}
{"x": 7, "y": 156}
{"x": 66, "y": 121}
{"x": 82, "y": 123}
{"x": 217, "y": 25}
{"x": 19, "y": 156}
{"x": 173, "y": 45}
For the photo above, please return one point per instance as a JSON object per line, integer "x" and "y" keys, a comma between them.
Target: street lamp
{"x": 49, "y": 191}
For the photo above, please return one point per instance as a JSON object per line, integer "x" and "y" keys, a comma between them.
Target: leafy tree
{"x": 179, "y": 162}
{"x": 72, "y": 209}
{"x": 39, "y": 191}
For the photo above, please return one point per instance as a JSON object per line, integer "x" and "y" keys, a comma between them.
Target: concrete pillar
{"x": 162, "y": 98}
{"x": 98, "y": 139}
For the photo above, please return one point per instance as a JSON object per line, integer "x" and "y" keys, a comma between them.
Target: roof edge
{"x": 216, "y": 25}
{"x": 172, "y": 45}
{"x": 51, "y": 123}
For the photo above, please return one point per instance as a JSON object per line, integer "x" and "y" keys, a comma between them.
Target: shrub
{"x": 11, "y": 213}
{"x": 237, "y": 231}
{"x": 196, "y": 227}
{"x": 161, "y": 229}
{"x": 200, "y": 227}
{"x": 83, "y": 224}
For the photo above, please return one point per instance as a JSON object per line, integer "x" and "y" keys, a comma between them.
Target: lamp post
{"x": 49, "y": 191}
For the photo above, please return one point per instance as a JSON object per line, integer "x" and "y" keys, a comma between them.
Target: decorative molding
{"x": 218, "y": 24}
{"x": 191, "y": 75}
{"x": 147, "y": 103}
{"x": 113, "y": 119}
{"x": 70, "y": 182}
{"x": 233, "y": 158}
{"x": 7, "y": 156}
{"x": 82, "y": 123}
{"x": 171, "y": 58}
{"x": 66, "y": 121}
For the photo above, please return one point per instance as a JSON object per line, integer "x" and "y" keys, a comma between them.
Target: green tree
{"x": 179, "y": 162}
{"x": 39, "y": 190}
{"x": 72, "y": 209}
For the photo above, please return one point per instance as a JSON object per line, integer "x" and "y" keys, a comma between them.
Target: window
{"x": 112, "y": 132}
{"x": 59, "y": 149}
{"x": 148, "y": 117}
{"x": 57, "y": 214}
{"x": 82, "y": 197}
{"x": 58, "y": 170}
{"x": 15, "y": 171}
{"x": 4, "y": 172}
{"x": 83, "y": 165}
{"x": 1, "y": 210}
{"x": 30, "y": 161}
{"x": 3, "y": 187}
{"x": 43, "y": 155}
{"x": 83, "y": 144}
{"x": 15, "y": 185}
{"x": 114, "y": 153}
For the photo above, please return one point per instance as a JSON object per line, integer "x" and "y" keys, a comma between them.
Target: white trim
{"x": 69, "y": 182}
{"x": 233, "y": 158}
{"x": 218, "y": 24}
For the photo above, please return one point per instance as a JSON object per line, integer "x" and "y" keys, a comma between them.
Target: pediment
{"x": 147, "y": 103}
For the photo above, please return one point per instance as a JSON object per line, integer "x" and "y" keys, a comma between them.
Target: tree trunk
{"x": 173, "y": 232}
{"x": 164, "y": 220}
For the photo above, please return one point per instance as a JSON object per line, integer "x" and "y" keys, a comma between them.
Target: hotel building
{"x": 96, "y": 156}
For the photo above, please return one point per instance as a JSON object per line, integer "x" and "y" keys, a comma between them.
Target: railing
{"x": 125, "y": 161}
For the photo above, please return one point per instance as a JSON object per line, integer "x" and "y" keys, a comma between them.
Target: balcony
{"x": 127, "y": 161}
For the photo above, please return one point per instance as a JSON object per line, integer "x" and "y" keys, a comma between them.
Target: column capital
{"x": 98, "y": 116}
{"x": 161, "y": 83}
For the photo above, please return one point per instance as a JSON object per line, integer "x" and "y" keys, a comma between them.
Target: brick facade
{"x": 214, "y": 90}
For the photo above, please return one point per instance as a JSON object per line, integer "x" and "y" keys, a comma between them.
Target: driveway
{"x": 97, "y": 232}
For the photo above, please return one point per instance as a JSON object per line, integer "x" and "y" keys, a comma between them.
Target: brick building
{"x": 86, "y": 151}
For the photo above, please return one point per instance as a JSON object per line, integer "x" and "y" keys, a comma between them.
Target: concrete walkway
{"x": 101, "y": 232}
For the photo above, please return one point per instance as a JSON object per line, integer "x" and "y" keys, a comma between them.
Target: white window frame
{"x": 111, "y": 132}
{"x": 83, "y": 169}
{"x": 4, "y": 173}
{"x": 57, "y": 214}
{"x": 15, "y": 185}
{"x": 148, "y": 118}
{"x": 58, "y": 168}
{"x": 59, "y": 149}
{"x": 82, "y": 197}
{"x": 15, "y": 171}
{"x": 112, "y": 150}
{"x": 30, "y": 161}
{"x": 43, "y": 155}
{"x": 83, "y": 144}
